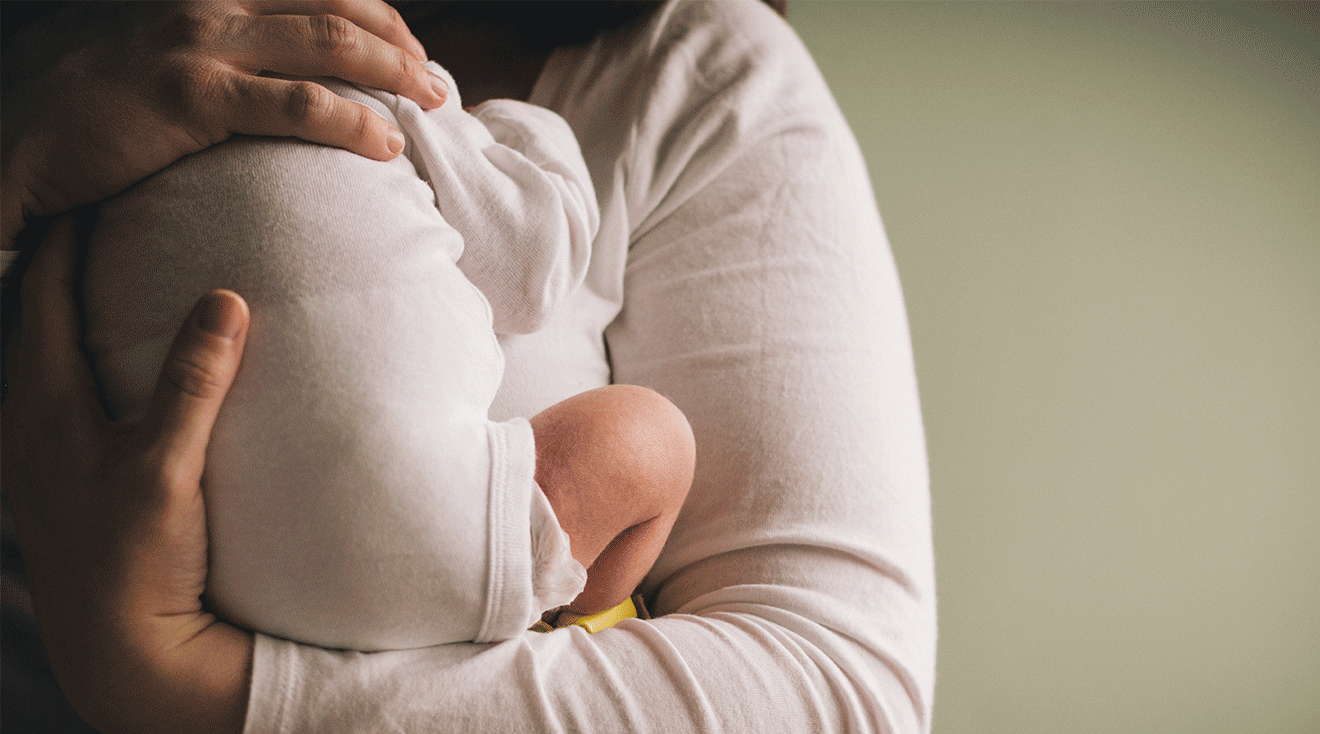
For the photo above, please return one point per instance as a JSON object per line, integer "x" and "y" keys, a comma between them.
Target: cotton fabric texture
{"x": 742, "y": 271}
{"x": 357, "y": 495}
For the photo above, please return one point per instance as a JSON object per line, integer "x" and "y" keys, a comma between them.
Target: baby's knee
{"x": 623, "y": 451}
{"x": 649, "y": 433}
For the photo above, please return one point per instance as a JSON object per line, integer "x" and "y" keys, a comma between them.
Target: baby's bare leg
{"x": 616, "y": 464}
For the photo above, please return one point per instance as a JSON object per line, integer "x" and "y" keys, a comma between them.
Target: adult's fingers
{"x": 193, "y": 383}
{"x": 307, "y": 110}
{"x": 331, "y": 45}
{"x": 49, "y": 367}
{"x": 53, "y": 425}
{"x": 373, "y": 16}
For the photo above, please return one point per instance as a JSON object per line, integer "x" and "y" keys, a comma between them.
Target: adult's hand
{"x": 105, "y": 94}
{"x": 111, "y": 521}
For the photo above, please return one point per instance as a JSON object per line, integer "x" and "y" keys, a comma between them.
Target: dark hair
{"x": 542, "y": 24}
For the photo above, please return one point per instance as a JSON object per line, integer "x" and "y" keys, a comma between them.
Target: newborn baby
{"x": 357, "y": 494}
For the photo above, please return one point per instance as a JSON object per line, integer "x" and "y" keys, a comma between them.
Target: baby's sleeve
{"x": 511, "y": 179}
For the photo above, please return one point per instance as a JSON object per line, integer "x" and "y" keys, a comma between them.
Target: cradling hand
{"x": 111, "y": 520}
{"x": 101, "y": 95}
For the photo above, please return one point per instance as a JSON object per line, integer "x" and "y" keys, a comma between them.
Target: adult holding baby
{"x": 742, "y": 272}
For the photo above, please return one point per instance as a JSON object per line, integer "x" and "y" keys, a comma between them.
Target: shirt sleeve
{"x": 509, "y": 176}
{"x": 796, "y": 592}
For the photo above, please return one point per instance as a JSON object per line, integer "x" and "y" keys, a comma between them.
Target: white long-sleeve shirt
{"x": 741, "y": 270}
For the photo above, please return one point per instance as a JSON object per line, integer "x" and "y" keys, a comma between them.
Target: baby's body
{"x": 357, "y": 494}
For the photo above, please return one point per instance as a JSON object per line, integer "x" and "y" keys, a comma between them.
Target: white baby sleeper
{"x": 357, "y": 494}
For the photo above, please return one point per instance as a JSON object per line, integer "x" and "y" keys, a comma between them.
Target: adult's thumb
{"x": 195, "y": 379}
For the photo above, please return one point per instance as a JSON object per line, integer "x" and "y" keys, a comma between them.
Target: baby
{"x": 357, "y": 494}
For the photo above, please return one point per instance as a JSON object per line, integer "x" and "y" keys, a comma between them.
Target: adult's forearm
{"x": 739, "y": 665}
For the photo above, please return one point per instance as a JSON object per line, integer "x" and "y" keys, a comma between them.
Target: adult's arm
{"x": 100, "y": 95}
{"x": 797, "y": 588}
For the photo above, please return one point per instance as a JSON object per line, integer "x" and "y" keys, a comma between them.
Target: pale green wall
{"x": 1107, "y": 222}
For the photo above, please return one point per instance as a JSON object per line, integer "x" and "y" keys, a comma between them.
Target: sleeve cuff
{"x": 274, "y": 685}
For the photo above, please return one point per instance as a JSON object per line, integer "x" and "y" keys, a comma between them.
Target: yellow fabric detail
{"x": 600, "y": 620}
{"x": 633, "y": 608}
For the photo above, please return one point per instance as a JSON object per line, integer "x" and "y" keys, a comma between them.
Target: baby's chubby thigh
{"x": 348, "y": 472}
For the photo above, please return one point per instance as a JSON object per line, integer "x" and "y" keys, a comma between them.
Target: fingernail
{"x": 394, "y": 141}
{"x": 440, "y": 87}
{"x": 220, "y": 315}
